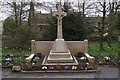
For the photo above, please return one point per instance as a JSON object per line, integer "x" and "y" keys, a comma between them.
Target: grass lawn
{"x": 109, "y": 51}
{"x": 93, "y": 49}
{"x": 15, "y": 52}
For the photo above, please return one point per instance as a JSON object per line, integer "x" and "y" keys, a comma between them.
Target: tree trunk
{"x": 31, "y": 17}
{"x": 20, "y": 22}
{"x": 16, "y": 15}
{"x": 102, "y": 28}
{"x": 111, "y": 18}
{"x": 31, "y": 20}
{"x": 79, "y": 5}
{"x": 83, "y": 6}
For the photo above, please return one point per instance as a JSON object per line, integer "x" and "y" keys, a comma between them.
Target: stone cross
{"x": 59, "y": 14}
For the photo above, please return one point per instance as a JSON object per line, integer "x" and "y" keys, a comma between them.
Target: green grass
{"x": 16, "y": 52}
{"x": 93, "y": 49}
{"x": 0, "y": 54}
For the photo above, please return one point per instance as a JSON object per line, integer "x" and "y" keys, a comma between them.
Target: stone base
{"x": 60, "y": 55}
{"x": 73, "y": 61}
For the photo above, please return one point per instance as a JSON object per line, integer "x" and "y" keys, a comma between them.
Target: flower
{"x": 87, "y": 63}
{"x": 44, "y": 68}
{"x": 6, "y": 47}
{"x": 74, "y": 67}
{"x": 66, "y": 67}
{"x": 57, "y": 67}
{"x": 29, "y": 67}
{"x": 51, "y": 68}
{"x": 88, "y": 67}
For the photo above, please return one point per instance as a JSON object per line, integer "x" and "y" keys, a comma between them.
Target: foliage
{"x": 18, "y": 61}
{"x": 117, "y": 24}
{"x": 17, "y": 37}
{"x": 9, "y": 27}
{"x": 75, "y": 27}
{"x": 113, "y": 23}
{"x": 50, "y": 33}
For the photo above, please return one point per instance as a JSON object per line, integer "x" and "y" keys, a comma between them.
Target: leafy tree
{"x": 9, "y": 30}
{"x": 118, "y": 21}
{"x": 50, "y": 33}
{"x": 17, "y": 37}
{"x": 74, "y": 27}
{"x": 9, "y": 27}
{"x": 113, "y": 22}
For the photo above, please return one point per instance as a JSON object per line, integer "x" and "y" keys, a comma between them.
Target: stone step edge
{"x": 56, "y": 71}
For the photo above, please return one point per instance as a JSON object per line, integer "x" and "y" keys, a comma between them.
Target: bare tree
{"x": 101, "y": 9}
{"x": 81, "y": 6}
{"x": 17, "y": 10}
{"x": 112, "y": 18}
{"x": 103, "y": 25}
{"x": 31, "y": 14}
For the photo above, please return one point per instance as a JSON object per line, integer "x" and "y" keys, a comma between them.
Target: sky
{"x": 4, "y": 14}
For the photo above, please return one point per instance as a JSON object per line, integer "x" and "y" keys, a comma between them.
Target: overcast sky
{"x": 4, "y": 14}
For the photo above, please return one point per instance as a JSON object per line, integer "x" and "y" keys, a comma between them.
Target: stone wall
{"x": 44, "y": 47}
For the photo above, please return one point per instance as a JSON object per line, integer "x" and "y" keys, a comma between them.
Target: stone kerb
{"x": 44, "y": 47}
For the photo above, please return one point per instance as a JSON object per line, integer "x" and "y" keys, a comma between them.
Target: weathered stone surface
{"x": 60, "y": 57}
{"x": 59, "y": 46}
{"x": 64, "y": 61}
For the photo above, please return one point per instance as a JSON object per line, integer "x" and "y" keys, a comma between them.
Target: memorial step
{"x": 60, "y": 55}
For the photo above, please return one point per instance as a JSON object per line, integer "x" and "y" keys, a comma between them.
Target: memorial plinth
{"x": 60, "y": 55}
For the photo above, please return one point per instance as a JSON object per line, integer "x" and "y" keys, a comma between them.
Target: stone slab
{"x": 59, "y": 55}
{"x": 64, "y": 71}
{"x": 73, "y": 61}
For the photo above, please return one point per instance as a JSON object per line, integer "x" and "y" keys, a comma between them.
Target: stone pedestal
{"x": 60, "y": 55}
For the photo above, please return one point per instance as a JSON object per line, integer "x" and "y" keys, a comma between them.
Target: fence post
{"x": 33, "y": 46}
{"x": 86, "y": 45}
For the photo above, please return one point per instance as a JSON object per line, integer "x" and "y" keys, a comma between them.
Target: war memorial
{"x": 59, "y": 54}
